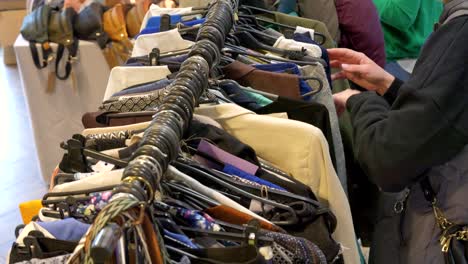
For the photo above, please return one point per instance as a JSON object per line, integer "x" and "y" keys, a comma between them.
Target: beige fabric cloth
{"x": 298, "y": 148}
{"x": 122, "y": 77}
{"x": 97, "y": 180}
{"x": 166, "y": 41}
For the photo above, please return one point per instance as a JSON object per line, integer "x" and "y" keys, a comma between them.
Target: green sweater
{"x": 406, "y": 25}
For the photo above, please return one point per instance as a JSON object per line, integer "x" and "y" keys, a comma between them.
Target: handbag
{"x": 454, "y": 237}
{"x": 114, "y": 25}
{"x": 112, "y": 3}
{"x": 61, "y": 32}
{"x": 34, "y": 29}
{"x": 136, "y": 15}
{"x": 89, "y": 24}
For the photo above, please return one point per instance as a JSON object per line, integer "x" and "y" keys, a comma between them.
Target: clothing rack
{"x": 160, "y": 143}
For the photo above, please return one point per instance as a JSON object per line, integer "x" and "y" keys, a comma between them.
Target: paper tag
{"x": 302, "y": 30}
{"x": 102, "y": 166}
{"x": 256, "y": 207}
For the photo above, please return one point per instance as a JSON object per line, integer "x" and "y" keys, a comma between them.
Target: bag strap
{"x": 46, "y": 51}
{"x": 427, "y": 189}
{"x": 431, "y": 197}
{"x": 449, "y": 230}
{"x": 456, "y": 14}
{"x": 72, "y": 52}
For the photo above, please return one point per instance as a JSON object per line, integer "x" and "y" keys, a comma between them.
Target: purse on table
{"x": 116, "y": 29}
{"x": 61, "y": 32}
{"x": 89, "y": 25}
{"x": 34, "y": 29}
{"x": 136, "y": 15}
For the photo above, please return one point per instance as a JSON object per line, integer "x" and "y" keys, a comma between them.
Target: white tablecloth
{"x": 56, "y": 117}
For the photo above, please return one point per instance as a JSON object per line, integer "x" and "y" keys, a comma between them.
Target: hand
{"x": 358, "y": 68}
{"x": 341, "y": 99}
{"x": 167, "y": 4}
{"x": 75, "y": 4}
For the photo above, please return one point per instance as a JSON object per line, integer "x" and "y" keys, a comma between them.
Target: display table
{"x": 56, "y": 116}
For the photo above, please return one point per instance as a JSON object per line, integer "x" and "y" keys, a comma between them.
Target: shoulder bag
{"x": 61, "y": 32}
{"x": 89, "y": 24}
{"x": 454, "y": 237}
{"x": 136, "y": 15}
{"x": 114, "y": 25}
{"x": 34, "y": 30}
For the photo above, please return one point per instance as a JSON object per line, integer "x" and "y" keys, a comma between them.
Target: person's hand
{"x": 167, "y": 4}
{"x": 341, "y": 99}
{"x": 75, "y": 4}
{"x": 358, "y": 68}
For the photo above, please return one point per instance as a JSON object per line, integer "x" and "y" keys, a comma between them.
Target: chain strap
{"x": 446, "y": 226}
{"x": 443, "y": 222}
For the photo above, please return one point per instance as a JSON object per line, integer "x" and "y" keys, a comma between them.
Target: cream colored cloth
{"x": 97, "y": 180}
{"x": 104, "y": 130}
{"x": 155, "y": 10}
{"x": 297, "y": 148}
{"x": 122, "y": 77}
{"x": 289, "y": 44}
{"x": 166, "y": 41}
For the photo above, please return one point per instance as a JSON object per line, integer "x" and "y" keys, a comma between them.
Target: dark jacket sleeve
{"x": 392, "y": 91}
{"x": 427, "y": 123}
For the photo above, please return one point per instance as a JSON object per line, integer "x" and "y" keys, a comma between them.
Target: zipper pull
{"x": 445, "y": 243}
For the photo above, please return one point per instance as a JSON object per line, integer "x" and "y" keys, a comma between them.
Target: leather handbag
{"x": 61, "y": 26}
{"x": 136, "y": 15}
{"x": 454, "y": 237}
{"x": 114, "y": 25}
{"x": 34, "y": 29}
{"x": 112, "y": 3}
{"x": 89, "y": 24}
{"x": 61, "y": 32}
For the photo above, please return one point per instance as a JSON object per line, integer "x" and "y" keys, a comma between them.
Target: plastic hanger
{"x": 313, "y": 92}
{"x": 187, "y": 168}
{"x": 274, "y": 192}
{"x": 233, "y": 50}
{"x": 229, "y": 236}
{"x": 188, "y": 191}
{"x": 247, "y": 40}
{"x": 249, "y": 9}
{"x": 269, "y": 40}
{"x": 75, "y": 159}
{"x": 266, "y": 21}
{"x": 62, "y": 178}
